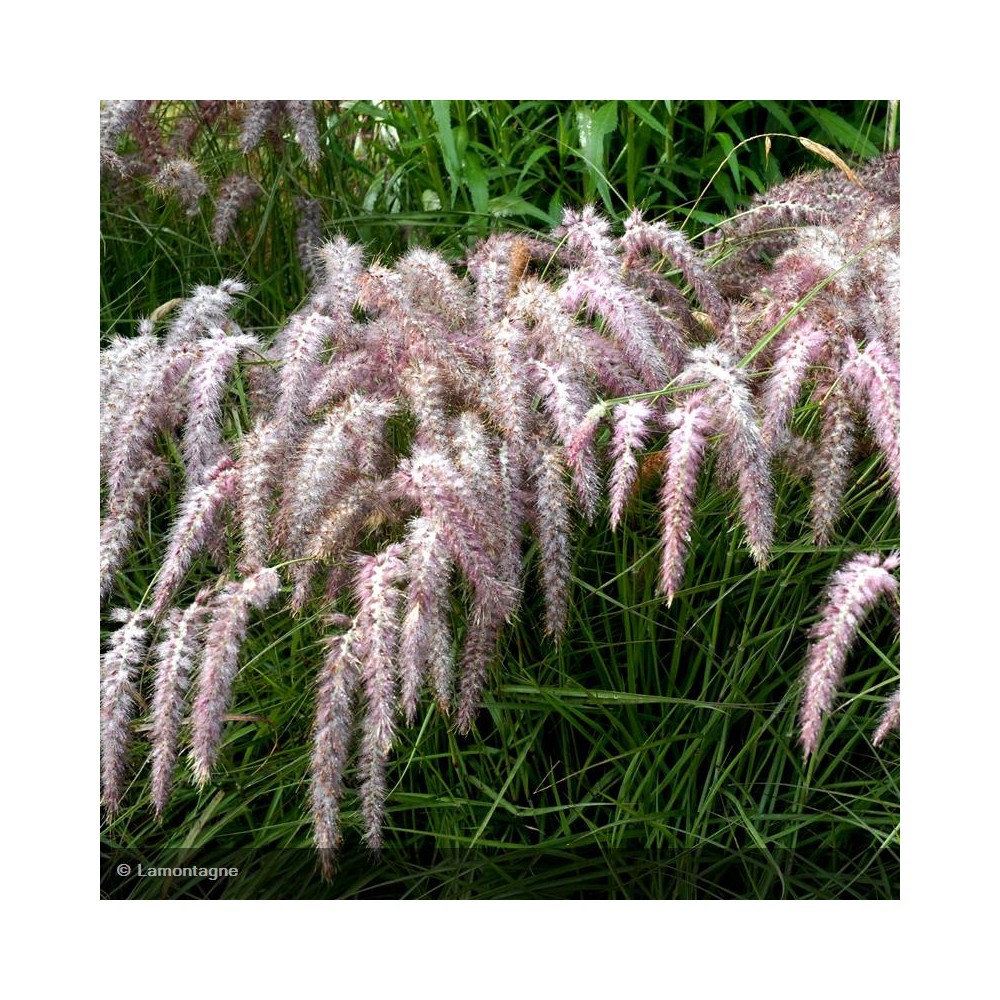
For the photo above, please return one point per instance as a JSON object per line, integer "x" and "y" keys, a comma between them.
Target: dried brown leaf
{"x": 831, "y": 157}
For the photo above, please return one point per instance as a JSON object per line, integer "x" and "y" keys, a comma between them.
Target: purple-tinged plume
{"x": 309, "y": 235}
{"x": 632, "y": 421}
{"x": 345, "y": 445}
{"x": 430, "y": 479}
{"x": 220, "y": 663}
{"x": 203, "y": 445}
{"x": 741, "y": 446}
{"x": 429, "y": 283}
{"x": 474, "y": 452}
{"x": 122, "y": 366}
{"x": 352, "y": 371}
{"x": 258, "y": 451}
{"x": 205, "y": 309}
{"x": 853, "y": 591}
{"x": 377, "y": 642}
{"x": 149, "y": 411}
{"x": 552, "y": 527}
{"x": 587, "y": 237}
{"x": 874, "y": 373}
{"x": 236, "y": 193}
{"x": 799, "y": 349}
{"x": 175, "y": 655}
{"x": 511, "y": 466}
{"x": 116, "y": 116}
{"x": 478, "y": 652}
{"x": 581, "y": 460}
{"x": 642, "y": 237}
{"x": 117, "y": 528}
{"x": 603, "y": 293}
{"x": 200, "y": 513}
{"x": 832, "y": 459}
{"x": 332, "y": 740}
{"x": 361, "y": 499}
{"x": 889, "y": 720}
{"x": 181, "y": 176}
{"x": 302, "y": 342}
{"x": 508, "y": 398}
{"x": 119, "y": 670}
{"x": 567, "y": 404}
{"x": 259, "y": 118}
{"x": 303, "y": 119}
{"x": 341, "y": 265}
{"x": 691, "y": 425}
{"x": 498, "y": 265}
{"x": 426, "y": 639}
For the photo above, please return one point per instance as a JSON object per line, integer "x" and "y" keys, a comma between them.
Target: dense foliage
{"x": 414, "y": 438}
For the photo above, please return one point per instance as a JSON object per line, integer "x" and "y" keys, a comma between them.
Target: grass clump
{"x": 504, "y": 568}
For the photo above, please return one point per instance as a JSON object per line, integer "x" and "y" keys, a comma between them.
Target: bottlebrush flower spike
{"x": 581, "y": 460}
{"x": 377, "y": 641}
{"x": 203, "y": 445}
{"x": 309, "y": 235}
{"x": 118, "y": 527}
{"x": 431, "y": 480}
{"x": 220, "y": 663}
{"x": 552, "y": 526}
{"x": 119, "y": 669}
{"x": 554, "y": 337}
{"x": 116, "y": 116}
{"x": 889, "y": 720}
{"x": 342, "y": 267}
{"x": 776, "y": 217}
{"x": 349, "y": 372}
{"x": 800, "y": 348}
{"x": 603, "y": 293}
{"x": 236, "y": 193}
{"x": 175, "y": 657}
{"x": 874, "y": 373}
{"x": 259, "y": 118}
{"x": 879, "y": 307}
{"x": 346, "y": 444}
{"x": 832, "y": 459}
{"x": 122, "y": 367}
{"x": 207, "y": 308}
{"x": 475, "y": 454}
{"x": 200, "y": 513}
{"x": 587, "y": 236}
{"x": 302, "y": 342}
{"x": 566, "y": 403}
{"x": 478, "y": 652}
{"x": 303, "y": 120}
{"x": 146, "y": 411}
{"x": 508, "y": 397}
{"x": 332, "y": 739}
{"x": 430, "y": 284}
{"x": 425, "y": 638}
{"x": 642, "y": 237}
{"x": 360, "y": 499}
{"x": 181, "y": 176}
{"x": 498, "y": 265}
{"x": 428, "y": 397}
{"x": 691, "y": 424}
{"x": 258, "y": 450}
{"x": 631, "y": 430}
{"x": 852, "y": 593}
{"x": 741, "y": 446}
{"x": 512, "y": 502}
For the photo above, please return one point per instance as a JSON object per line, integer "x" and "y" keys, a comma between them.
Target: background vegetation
{"x": 653, "y": 753}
